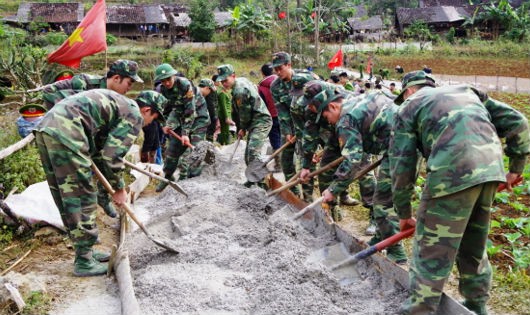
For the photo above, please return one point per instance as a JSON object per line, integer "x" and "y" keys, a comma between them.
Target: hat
{"x": 411, "y": 79}
{"x": 280, "y": 58}
{"x": 224, "y": 71}
{"x": 207, "y": 83}
{"x": 298, "y": 81}
{"x": 154, "y": 100}
{"x": 32, "y": 110}
{"x": 322, "y": 99}
{"x": 126, "y": 68}
{"x": 310, "y": 89}
{"x": 164, "y": 71}
{"x": 63, "y": 75}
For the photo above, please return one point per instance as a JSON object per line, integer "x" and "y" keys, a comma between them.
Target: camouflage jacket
{"x": 180, "y": 107}
{"x": 202, "y": 120}
{"x": 317, "y": 133}
{"x": 211, "y": 102}
{"x": 99, "y": 124}
{"x": 364, "y": 127}
{"x": 457, "y": 130}
{"x": 59, "y": 90}
{"x": 248, "y": 105}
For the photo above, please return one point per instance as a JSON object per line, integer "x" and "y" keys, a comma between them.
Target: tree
{"x": 420, "y": 31}
{"x": 202, "y": 26}
{"x": 251, "y": 21}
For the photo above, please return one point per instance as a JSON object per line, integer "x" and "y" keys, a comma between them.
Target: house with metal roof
{"x": 129, "y": 20}
{"x": 440, "y": 19}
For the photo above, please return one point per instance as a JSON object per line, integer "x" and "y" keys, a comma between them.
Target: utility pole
{"x": 317, "y": 33}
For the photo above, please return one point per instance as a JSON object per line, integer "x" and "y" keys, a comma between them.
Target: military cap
{"x": 126, "y": 68}
{"x": 64, "y": 75}
{"x": 154, "y": 100}
{"x": 207, "y": 83}
{"x": 322, "y": 99}
{"x": 280, "y": 58}
{"x": 164, "y": 71}
{"x": 298, "y": 82}
{"x": 32, "y": 110}
{"x": 411, "y": 79}
{"x": 224, "y": 71}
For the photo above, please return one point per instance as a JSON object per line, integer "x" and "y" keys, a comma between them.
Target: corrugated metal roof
{"x": 50, "y": 12}
{"x": 222, "y": 18}
{"x": 372, "y": 23}
{"x": 440, "y": 3}
{"x": 181, "y": 19}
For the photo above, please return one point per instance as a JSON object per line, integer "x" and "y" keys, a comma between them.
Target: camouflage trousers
{"x": 174, "y": 152}
{"x": 256, "y": 138}
{"x": 185, "y": 170}
{"x": 71, "y": 184}
{"x": 366, "y": 183}
{"x": 451, "y": 228}
{"x": 288, "y": 162}
{"x": 385, "y": 216}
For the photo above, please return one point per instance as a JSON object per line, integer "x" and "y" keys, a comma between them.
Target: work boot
{"x": 85, "y": 265}
{"x": 162, "y": 185}
{"x": 346, "y": 200}
{"x": 397, "y": 254}
{"x": 371, "y": 229}
{"x": 100, "y": 256}
{"x": 110, "y": 210}
{"x": 476, "y": 307}
{"x": 336, "y": 213}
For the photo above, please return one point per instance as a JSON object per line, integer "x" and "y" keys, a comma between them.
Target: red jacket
{"x": 264, "y": 89}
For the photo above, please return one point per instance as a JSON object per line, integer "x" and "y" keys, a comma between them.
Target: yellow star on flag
{"x": 76, "y": 36}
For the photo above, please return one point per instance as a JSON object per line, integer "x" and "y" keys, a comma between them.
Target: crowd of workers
{"x": 455, "y": 129}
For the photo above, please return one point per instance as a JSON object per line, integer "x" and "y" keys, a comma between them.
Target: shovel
{"x": 201, "y": 152}
{"x": 257, "y": 170}
{"x": 353, "y": 259}
{"x": 160, "y": 178}
{"x": 164, "y": 243}
{"x": 235, "y": 149}
{"x": 309, "y": 207}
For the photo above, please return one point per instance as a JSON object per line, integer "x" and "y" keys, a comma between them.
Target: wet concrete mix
{"x": 241, "y": 254}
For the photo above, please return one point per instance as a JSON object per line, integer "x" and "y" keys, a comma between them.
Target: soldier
{"x": 363, "y": 127}
{"x": 198, "y": 133}
{"x": 208, "y": 91}
{"x": 181, "y": 112}
{"x": 457, "y": 129}
{"x": 254, "y": 118}
{"x": 345, "y": 81}
{"x": 225, "y": 113}
{"x": 119, "y": 78}
{"x": 96, "y": 126}
{"x": 322, "y": 133}
{"x": 30, "y": 117}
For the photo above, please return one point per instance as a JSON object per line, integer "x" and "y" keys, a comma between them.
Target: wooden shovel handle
{"x": 279, "y": 150}
{"x": 179, "y": 138}
{"x": 502, "y": 186}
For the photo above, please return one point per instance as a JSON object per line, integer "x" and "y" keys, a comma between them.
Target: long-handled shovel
{"x": 201, "y": 152}
{"x": 164, "y": 243}
{"x": 160, "y": 178}
{"x": 309, "y": 207}
{"x": 257, "y": 170}
{"x": 235, "y": 149}
{"x": 374, "y": 249}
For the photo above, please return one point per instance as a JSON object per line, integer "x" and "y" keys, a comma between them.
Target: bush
{"x": 111, "y": 39}
{"x": 185, "y": 60}
{"x": 55, "y": 38}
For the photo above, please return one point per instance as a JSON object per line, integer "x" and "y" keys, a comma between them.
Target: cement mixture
{"x": 240, "y": 254}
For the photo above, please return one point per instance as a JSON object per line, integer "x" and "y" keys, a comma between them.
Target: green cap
{"x": 280, "y": 58}
{"x": 224, "y": 71}
{"x": 126, "y": 68}
{"x": 164, "y": 71}
{"x": 322, "y": 99}
{"x": 298, "y": 81}
{"x": 207, "y": 83}
{"x": 63, "y": 75}
{"x": 32, "y": 110}
{"x": 411, "y": 79}
{"x": 154, "y": 100}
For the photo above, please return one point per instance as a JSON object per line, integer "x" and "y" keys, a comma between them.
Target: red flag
{"x": 87, "y": 39}
{"x": 336, "y": 61}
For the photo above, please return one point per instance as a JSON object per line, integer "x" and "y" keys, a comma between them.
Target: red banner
{"x": 336, "y": 61}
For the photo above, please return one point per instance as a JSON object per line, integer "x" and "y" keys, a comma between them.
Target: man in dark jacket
{"x": 264, "y": 89}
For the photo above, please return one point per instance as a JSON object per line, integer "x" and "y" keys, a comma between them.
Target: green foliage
{"x": 450, "y": 36}
{"x": 111, "y": 39}
{"x": 202, "y": 25}
{"x": 189, "y": 60}
{"x": 510, "y": 291}
{"x": 492, "y": 249}
{"x": 6, "y": 233}
{"x": 420, "y": 31}
{"x": 37, "y": 303}
{"x": 55, "y": 38}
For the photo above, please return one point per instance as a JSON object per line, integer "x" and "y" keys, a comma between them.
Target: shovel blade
{"x": 178, "y": 188}
{"x": 330, "y": 256}
{"x": 256, "y": 171}
{"x": 164, "y": 243}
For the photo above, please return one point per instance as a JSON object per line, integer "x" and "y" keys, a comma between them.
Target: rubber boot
{"x": 100, "y": 256}
{"x": 110, "y": 210}
{"x": 372, "y": 228}
{"x": 105, "y": 202}
{"x": 476, "y": 307}
{"x": 346, "y": 200}
{"x": 397, "y": 254}
{"x": 86, "y": 266}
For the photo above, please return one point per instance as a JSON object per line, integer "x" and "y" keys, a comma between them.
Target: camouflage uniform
{"x": 98, "y": 125}
{"x": 322, "y": 133}
{"x": 198, "y": 134}
{"x": 365, "y": 127}
{"x": 182, "y": 113}
{"x": 59, "y": 90}
{"x": 211, "y": 101}
{"x": 457, "y": 129}
{"x": 55, "y": 92}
